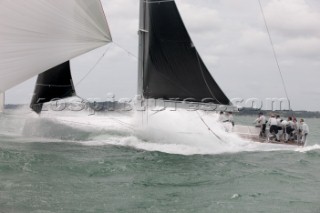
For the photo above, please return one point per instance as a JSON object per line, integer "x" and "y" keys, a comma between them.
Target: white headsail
{"x": 36, "y": 35}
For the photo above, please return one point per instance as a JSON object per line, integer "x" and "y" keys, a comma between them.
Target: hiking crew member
{"x": 289, "y": 129}
{"x": 230, "y": 118}
{"x": 273, "y": 126}
{"x": 221, "y": 117}
{"x": 284, "y": 125}
{"x": 304, "y": 129}
{"x": 279, "y": 122}
{"x": 295, "y": 132}
{"x": 261, "y": 122}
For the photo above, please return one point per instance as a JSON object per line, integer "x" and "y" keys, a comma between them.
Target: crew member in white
{"x": 296, "y": 127}
{"x": 261, "y": 122}
{"x": 284, "y": 125}
{"x": 273, "y": 126}
{"x": 221, "y": 117}
{"x": 304, "y": 129}
{"x": 289, "y": 129}
{"x": 229, "y": 118}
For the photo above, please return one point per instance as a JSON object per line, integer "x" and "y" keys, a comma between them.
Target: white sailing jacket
{"x": 291, "y": 124}
{"x": 261, "y": 120}
{"x": 273, "y": 121}
{"x": 304, "y": 128}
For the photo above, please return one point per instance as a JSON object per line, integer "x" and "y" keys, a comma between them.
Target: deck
{"x": 251, "y": 133}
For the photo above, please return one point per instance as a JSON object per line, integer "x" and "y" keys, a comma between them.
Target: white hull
{"x": 252, "y": 133}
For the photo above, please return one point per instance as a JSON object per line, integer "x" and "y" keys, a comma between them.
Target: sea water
{"x": 79, "y": 165}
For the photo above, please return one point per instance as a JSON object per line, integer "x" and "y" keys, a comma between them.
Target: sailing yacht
{"x": 170, "y": 68}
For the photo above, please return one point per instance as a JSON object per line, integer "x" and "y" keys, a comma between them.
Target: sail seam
{"x": 53, "y": 85}
{"x": 161, "y": 1}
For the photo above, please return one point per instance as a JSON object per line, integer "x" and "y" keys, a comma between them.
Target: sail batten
{"x": 37, "y": 35}
{"x": 172, "y": 67}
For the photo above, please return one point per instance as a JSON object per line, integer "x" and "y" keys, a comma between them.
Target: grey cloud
{"x": 293, "y": 18}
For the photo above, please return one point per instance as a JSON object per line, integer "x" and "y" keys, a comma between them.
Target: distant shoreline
{"x": 242, "y": 112}
{"x": 299, "y": 114}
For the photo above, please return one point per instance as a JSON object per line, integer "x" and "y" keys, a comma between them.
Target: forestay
{"x": 37, "y": 35}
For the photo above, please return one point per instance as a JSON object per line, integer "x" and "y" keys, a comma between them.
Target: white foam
{"x": 183, "y": 133}
{"x": 308, "y": 148}
{"x": 175, "y": 132}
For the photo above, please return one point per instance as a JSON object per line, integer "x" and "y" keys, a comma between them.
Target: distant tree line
{"x": 14, "y": 106}
{"x": 243, "y": 111}
{"x": 286, "y": 113}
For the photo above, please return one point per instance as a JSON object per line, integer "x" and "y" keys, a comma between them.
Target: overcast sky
{"x": 231, "y": 38}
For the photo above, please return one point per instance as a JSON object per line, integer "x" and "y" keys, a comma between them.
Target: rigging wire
{"x": 204, "y": 79}
{"x": 94, "y": 66}
{"x": 275, "y": 54}
{"x": 98, "y": 61}
{"x": 217, "y": 136}
{"x": 127, "y": 51}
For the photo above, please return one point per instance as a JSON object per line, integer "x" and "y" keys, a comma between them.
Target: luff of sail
{"x": 37, "y": 35}
{"x": 55, "y": 83}
{"x": 172, "y": 67}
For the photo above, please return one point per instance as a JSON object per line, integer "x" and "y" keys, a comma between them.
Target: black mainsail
{"x": 171, "y": 66}
{"x": 55, "y": 83}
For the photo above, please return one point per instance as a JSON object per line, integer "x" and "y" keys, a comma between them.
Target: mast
{"x": 141, "y": 47}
